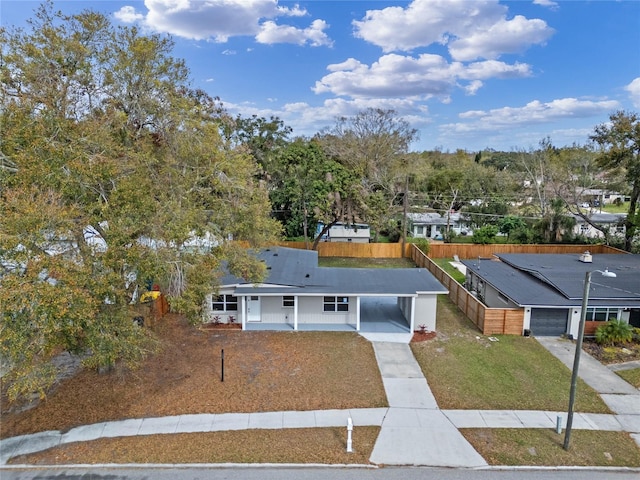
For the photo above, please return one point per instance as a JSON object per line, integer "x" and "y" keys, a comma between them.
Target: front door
{"x": 253, "y": 309}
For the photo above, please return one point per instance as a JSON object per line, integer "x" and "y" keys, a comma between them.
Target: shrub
{"x": 423, "y": 244}
{"x": 614, "y": 331}
{"x": 485, "y": 234}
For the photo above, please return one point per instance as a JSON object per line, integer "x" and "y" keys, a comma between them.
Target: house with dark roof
{"x": 299, "y": 295}
{"x": 550, "y": 288}
{"x": 612, "y": 221}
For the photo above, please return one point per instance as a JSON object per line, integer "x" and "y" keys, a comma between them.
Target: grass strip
{"x": 543, "y": 447}
{"x": 296, "y": 445}
{"x": 348, "y": 262}
{"x": 467, "y": 370}
{"x": 632, "y": 376}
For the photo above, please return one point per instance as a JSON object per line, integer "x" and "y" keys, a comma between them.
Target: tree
{"x": 619, "y": 142}
{"x": 374, "y": 145}
{"x": 555, "y": 225}
{"x": 114, "y": 169}
{"x": 307, "y": 188}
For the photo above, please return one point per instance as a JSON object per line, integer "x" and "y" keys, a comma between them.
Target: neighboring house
{"x": 340, "y": 232}
{"x": 299, "y": 295}
{"x": 596, "y": 197}
{"x": 433, "y": 225}
{"x": 614, "y": 221}
{"x": 550, "y": 288}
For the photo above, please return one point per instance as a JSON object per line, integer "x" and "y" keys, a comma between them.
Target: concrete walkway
{"x": 621, "y": 397}
{"x": 414, "y": 431}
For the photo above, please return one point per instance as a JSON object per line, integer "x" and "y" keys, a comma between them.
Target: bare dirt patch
{"x": 263, "y": 371}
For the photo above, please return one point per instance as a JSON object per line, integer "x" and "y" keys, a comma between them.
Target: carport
{"x": 382, "y": 315}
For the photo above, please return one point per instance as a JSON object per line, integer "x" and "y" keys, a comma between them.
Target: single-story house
{"x": 434, "y": 225}
{"x": 614, "y": 221}
{"x": 342, "y": 232}
{"x": 299, "y": 295}
{"x": 550, "y": 288}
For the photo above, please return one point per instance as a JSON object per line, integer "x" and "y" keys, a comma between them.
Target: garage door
{"x": 548, "y": 322}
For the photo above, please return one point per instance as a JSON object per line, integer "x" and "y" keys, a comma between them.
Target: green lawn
{"x": 348, "y": 262}
{"x": 466, "y": 370}
{"x": 543, "y": 447}
{"x": 445, "y": 264}
{"x": 613, "y": 208}
{"x": 632, "y": 376}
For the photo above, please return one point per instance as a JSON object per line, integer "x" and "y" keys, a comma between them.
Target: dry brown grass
{"x": 300, "y": 445}
{"x": 263, "y": 371}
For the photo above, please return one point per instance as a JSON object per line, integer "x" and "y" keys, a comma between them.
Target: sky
{"x": 466, "y": 74}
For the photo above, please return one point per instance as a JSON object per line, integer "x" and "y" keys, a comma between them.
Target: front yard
{"x": 263, "y": 371}
{"x": 467, "y": 370}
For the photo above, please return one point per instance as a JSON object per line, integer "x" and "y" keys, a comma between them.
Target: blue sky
{"x": 467, "y": 74}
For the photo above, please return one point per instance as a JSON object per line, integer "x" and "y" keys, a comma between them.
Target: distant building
{"x": 434, "y": 225}
{"x": 340, "y": 232}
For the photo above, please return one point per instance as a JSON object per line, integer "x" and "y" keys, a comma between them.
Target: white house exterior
{"x": 340, "y": 232}
{"x": 433, "y": 225}
{"x": 613, "y": 221}
{"x": 299, "y": 295}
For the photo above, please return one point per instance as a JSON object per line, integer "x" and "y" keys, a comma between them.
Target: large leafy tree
{"x": 619, "y": 142}
{"x": 113, "y": 168}
{"x": 374, "y": 145}
{"x": 310, "y": 188}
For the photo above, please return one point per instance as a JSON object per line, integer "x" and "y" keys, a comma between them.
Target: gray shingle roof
{"x": 558, "y": 279}
{"x": 293, "y": 271}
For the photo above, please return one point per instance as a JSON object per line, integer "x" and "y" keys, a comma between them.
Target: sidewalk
{"x": 414, "y": 431}
{"x": 622, "y": 398}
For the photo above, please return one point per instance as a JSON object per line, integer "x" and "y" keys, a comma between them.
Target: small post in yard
{"x": 559, "y": 424}
{"x": 349, "y": 439}
{"x": 222, "y": 365}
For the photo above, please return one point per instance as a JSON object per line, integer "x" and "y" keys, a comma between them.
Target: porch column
{"x": 295, "y": 312}
{"x": 243, "y": 311}
{"x": 413, "y": 314}
{"x": 357, "y": 314}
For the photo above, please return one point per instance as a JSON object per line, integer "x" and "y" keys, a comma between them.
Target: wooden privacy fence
{"x": 358, "y": 250}
{"x": 470, "y": 250}
{"x": 490, "y": 321}
{"x": 443, "y": 250}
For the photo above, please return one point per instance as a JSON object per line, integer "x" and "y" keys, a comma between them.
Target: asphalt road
{"x": 320, "y": 473}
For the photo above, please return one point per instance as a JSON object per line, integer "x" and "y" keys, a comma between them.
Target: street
{"x": 308, "y": 473}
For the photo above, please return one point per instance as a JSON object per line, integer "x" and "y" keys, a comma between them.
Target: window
{"x": 288, "y": 301}
{"x": 419, "y": 230}
{"x": 602, "y": 314}
{"x": 224, "y": 303}
{"x": 336, "y": 304}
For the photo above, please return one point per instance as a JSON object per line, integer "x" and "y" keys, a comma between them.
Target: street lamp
{"x": 576, "y": 359}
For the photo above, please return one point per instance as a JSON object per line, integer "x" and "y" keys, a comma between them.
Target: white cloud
{"x": 504, "y": 36}
{"x": 423, "y": 76}
{"x": 470, "y": 29}
{"x": 309, "y": 119}
{"x": 634, "y": 92}
{"x": 128, "y": 14}
{"x": 534, "y": 112}
{"x": 219, "y": 20}
{"x": 271, "y": 33}
{"x": 547, "y": 3}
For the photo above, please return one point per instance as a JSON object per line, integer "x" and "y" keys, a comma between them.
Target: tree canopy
{"x": 116, "y": 170}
